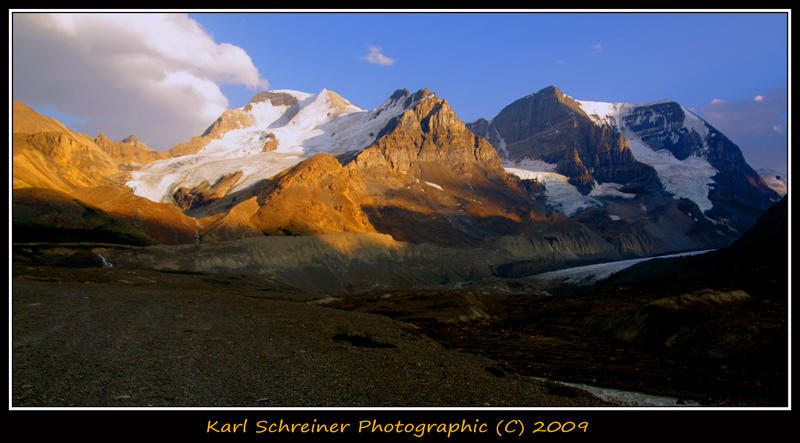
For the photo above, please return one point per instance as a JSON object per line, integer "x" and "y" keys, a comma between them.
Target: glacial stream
{"x": 627, "y": 398}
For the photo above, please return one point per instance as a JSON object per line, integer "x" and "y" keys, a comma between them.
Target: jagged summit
{"x": 551, "y": 91}
{"x": 276, "y": 98}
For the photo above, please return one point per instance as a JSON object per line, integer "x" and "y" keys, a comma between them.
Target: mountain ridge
{"x": 297, "y": 163}
{"x": 663, "y": 147}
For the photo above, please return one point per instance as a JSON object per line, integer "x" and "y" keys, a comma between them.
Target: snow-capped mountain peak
{"x": 653, "y": 149}
{"x": 655, "y": 131}
{"x": 275, "y": 130}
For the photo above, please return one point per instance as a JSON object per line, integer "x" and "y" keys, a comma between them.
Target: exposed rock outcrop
{"x": 187, "y": 199}
{"x": 314, "y": 197}
{"x": 130, "y": 153}
{"x": 162, "y": 222}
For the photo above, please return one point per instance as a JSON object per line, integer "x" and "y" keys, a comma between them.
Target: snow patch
{"x": 603, "y": 113}
{"x": 434, "y": 185}
{"x": 502, "y": 147}
{"x": 559, "y": 193}
{"x": 609, "y": 190}
{"x": 694, "y": 123}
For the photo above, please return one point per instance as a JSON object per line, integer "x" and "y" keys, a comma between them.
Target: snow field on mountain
{"x": 324, "y": 122}
{"x": 603, "y": 112}
{"x": 159, "y": 182}
{"x": 690, "y": 178}
{"x": 559, "y": 193}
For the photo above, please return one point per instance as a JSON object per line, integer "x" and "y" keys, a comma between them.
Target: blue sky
{"x": 714, "y": 63}
{"x": 481, "y": 62}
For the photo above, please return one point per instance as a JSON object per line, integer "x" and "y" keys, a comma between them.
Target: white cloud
{"x": 759, "y": 98}
{"x": 153, "y": 75}
{"x": 375, "y": 56}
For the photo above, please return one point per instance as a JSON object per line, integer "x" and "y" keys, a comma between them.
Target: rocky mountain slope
{"x": 67, "y": 185}
{"x": 130, "y": 153}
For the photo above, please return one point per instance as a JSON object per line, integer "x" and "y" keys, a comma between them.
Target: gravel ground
{"x": 111, "y": 337}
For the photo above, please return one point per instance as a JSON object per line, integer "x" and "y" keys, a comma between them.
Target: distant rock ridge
{"x": 130, "y": 153}
{"x": 775, "y": 180}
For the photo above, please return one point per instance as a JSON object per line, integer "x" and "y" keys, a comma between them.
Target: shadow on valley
{"x": 445, "y": 229}
{"x": 710, "y": 328}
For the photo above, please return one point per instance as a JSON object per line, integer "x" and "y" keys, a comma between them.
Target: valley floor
{"x": 113, "y": 338}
